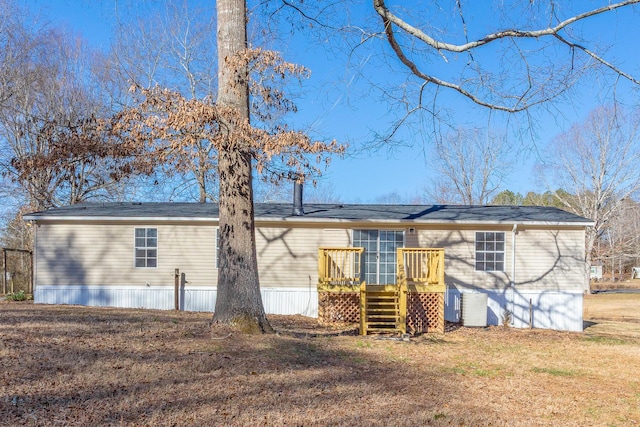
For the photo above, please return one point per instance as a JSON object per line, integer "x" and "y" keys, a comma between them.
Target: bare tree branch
{"x": 390, "y": 18}
{"x": 533, "y": 93}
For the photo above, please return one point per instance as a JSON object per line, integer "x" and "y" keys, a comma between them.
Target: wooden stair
{"x": 381, "y": 310}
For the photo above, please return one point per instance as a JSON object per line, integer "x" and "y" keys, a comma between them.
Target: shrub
{"x": 17, "y": 296}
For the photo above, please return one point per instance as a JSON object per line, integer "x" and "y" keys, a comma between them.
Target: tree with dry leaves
{"x": 175, "y": 125}
{"x": 238, "y": 298}
{"x": 55, "y": 149}
{"x": 58, "y": 144}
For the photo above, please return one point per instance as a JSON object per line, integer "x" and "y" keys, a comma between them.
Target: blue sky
{"x": 329, "y": 108}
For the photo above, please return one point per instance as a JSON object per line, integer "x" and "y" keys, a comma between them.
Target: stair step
{"x": 381, "y": 314}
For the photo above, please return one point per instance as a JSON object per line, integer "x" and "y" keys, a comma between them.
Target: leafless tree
{"x": 532, "y": 55}
{"x": 618, "y": 248}
{"x": 51, "y": 116}
{"x": 470, "y": 165}
{"x": 170, "y": 45}
{"x": 18, "y": 48}
{"x": 493, "y": 59}
{"x": 596, "y": 162}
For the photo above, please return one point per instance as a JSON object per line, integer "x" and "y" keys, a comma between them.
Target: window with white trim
{"x": 217, "y": 247}
{"x": 379, "y": 258}
{"x": 146, "y": 247}
{"x": 490, "y": 250}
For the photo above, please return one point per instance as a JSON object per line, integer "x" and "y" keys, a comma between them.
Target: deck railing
{"x": 340, "y": 266}
{"x": 421, "y": 267}
{"x": 416, "y": 267}
{"x": 383, "y": 307}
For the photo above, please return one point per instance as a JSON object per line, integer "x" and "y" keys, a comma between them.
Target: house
{"x": 529, "y": 262}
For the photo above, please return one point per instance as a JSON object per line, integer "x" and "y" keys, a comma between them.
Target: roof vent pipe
{"x": 297, "y": 198}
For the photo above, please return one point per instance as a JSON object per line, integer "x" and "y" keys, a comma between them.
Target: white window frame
{"x": 217, "y": 246}
{"x": 488, "y": 253}
{"x": 137, "y": 247}
{"x": 394, "y": 262}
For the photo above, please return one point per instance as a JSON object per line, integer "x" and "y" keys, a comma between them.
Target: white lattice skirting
{"x": 560, "y": 310}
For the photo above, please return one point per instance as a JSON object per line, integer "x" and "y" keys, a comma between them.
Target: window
{"x": 146, "y": 247}
{"x": 379, "y": 264}
{"x": 217, "y": 247}
{"x": 489, "y": 251}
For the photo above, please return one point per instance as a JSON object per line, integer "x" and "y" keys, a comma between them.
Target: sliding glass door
{"x": 379, "y": 262}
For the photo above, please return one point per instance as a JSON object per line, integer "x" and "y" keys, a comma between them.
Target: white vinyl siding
{"x": 68, "y": 255}
{"x": 288, "y": 257}
{"x": 544, "y": 259}
{"x": 551, "y": 259}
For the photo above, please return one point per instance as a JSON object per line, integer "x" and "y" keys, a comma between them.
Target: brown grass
{"x": 64, "y": 365}
{"x": 607, "y": 284}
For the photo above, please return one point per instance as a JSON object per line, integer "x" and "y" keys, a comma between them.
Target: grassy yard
{"x": 65, "y": 365}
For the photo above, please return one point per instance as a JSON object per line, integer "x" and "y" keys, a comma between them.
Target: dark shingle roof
{"x": 319, "y": 212}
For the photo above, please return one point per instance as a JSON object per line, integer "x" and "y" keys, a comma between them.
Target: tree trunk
{"x": 238, "y": 302}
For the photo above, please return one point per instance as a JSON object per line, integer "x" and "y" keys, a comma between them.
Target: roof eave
{"x": 308, "y": 220}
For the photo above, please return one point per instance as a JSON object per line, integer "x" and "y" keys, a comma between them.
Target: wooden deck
{"x": 415, "y": 300}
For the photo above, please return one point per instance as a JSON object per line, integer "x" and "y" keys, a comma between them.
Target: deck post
{"x": 176, "y": 289}
{"x": 363, "y": 308}
{"x": 401, "y": 292}
{"x": 4, "y": 271}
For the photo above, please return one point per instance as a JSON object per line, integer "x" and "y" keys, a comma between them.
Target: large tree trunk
{"x": 238, "y": 303}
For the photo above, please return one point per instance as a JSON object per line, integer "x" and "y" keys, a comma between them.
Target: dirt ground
{"x": 80, "y": 366}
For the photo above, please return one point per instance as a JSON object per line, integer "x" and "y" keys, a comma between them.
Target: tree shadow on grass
{"x": 165, "y": 369}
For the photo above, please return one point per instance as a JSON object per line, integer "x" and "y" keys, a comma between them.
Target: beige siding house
{"x": 529, "y": 261}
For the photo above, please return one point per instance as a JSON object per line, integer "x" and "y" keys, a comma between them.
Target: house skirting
{"x": 545, "y": 309}
{"x": 276, "y": 300}
{"x": 560, "y": 310}
{"x": 425, "y": 311}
